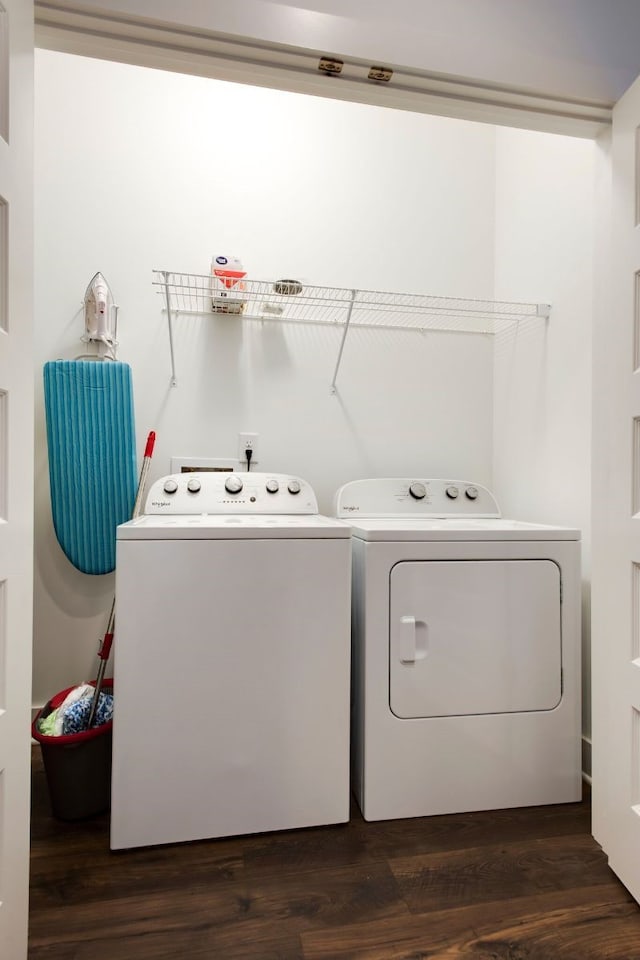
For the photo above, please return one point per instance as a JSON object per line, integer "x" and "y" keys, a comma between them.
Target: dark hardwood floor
{"x": 527, "y": 884}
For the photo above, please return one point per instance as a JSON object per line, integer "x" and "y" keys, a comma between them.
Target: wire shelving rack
{"x": 289, "y": 301}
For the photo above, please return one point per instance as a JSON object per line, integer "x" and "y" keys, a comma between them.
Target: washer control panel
{"x": 245, "y": 493}
{"x": 415, "y": 497}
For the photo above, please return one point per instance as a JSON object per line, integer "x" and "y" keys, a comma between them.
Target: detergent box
{"x": 227, "y": 285}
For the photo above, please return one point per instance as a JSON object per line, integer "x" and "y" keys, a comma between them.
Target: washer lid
{"x": 421, "y": 529}
{"x": 235, "y": 527}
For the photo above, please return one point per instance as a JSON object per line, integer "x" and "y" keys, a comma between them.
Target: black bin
{"x": 77, "y": 765}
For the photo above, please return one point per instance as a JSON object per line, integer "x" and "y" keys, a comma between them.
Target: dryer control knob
{"x": 452, "y": 492}
{"x": 418, "y": 491}
{"x": 233, "y": 484}
{"x": 170, "y": 486}
{"x": 294, "y": 486}
{"x": 471, "y": 493}
{"x": 272, "y": 486}
{"x": 194, "y": 486}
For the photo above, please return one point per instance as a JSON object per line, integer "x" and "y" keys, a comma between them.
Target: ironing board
{"x": 92, "y": 457}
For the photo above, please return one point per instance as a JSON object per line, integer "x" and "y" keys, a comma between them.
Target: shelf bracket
{"x": 344, "y": 337}
{"x": 167, "y": 296}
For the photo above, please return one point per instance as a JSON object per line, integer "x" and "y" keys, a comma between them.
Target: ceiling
{"x": 567, "y": 59}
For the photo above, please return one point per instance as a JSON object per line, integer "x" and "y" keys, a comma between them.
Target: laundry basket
{"x": 77, "y": 765}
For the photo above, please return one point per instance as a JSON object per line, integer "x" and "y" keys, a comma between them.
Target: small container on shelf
{"x": 227, "y": 285}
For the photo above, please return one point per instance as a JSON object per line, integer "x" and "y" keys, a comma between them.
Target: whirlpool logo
{"x": 161, "y": 503}
{"x": 351, "y": 509}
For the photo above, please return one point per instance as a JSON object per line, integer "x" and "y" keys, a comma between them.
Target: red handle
{"x": 151, "y": 439}
{"x": 105, "y": 649}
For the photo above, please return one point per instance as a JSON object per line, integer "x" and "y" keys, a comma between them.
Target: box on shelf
{"x": 227, "y": 285}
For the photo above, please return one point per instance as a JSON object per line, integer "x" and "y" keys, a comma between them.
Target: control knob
{"x": 233, "y": 484}
{"x": 452, "y": 492}
{"x": 272, "y": 486}
{"x": 418, "y": 491}
{"x": 472, "y": 493}
{"x": 194, "y": 485}
{"x": 170, "y": 485}
{"x": 294, "y": 486}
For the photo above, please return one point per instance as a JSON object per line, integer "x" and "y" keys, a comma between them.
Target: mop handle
{"x": 107, "y": 641}
{"x": 146, "y": 462}
{"x": 105, "y": 649}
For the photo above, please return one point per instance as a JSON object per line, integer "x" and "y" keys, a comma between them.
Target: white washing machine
{"x": 466, "y": 652}
{"x": 232, "y": 656}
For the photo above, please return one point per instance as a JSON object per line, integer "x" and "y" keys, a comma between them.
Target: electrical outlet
{"x": 247, "y": 441}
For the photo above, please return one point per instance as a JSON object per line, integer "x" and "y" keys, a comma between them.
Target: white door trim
{"x": 72, "y": 28}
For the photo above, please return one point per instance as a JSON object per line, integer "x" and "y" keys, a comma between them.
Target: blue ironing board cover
{"x": 92, "y": 457}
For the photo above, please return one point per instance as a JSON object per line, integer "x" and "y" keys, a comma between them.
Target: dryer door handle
{"x": 407, "y": 639}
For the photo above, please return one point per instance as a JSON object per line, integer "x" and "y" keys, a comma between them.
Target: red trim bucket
{"x": 77, "y": 765}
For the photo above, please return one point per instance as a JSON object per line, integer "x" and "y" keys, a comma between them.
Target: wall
{"x": 545, "y": 210}
{"x": 138, "y": 169}
{"x": 545, "y": 228}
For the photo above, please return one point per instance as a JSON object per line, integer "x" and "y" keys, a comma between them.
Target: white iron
{"x": 100, "y": 315}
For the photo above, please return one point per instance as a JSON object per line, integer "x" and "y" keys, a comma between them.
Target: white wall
{"x": 545, "y": 213}
{"x": 545, "y": 228}
{"x": 138, "y": 169}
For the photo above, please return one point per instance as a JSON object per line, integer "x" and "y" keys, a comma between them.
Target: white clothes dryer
{"x": 232, "y": 659}
{"x": 466, "y": 652}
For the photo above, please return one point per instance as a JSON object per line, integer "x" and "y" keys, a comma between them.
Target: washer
{"x": 466, "y": 652}
{"x": 232, "y": 659}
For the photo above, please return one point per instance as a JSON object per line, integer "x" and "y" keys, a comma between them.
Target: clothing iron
{"x": 100, "y": 316}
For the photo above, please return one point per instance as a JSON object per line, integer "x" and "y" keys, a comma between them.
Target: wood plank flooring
{"x": 527, "y": 884}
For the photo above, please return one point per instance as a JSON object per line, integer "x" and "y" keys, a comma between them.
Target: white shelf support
{"x": 344, "y": 337}
{"x": 165, "y": 276}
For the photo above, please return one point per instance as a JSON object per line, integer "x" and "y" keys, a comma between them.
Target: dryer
{"x": 232, "y": 661}
{"x": 466, "y": 652}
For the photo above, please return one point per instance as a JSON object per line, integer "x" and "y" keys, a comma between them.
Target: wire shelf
{"x": 291, "y": 301}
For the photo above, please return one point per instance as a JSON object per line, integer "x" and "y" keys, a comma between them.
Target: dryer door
{"x": 474, "y": 637}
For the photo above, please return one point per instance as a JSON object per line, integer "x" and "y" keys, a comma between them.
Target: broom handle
{"x": 142, "y": 482}
{"x": 107, "y": 641}
{"x": 103, "y": 655}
